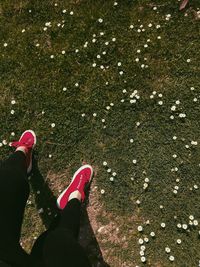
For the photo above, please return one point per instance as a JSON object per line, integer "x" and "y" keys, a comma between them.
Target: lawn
{"x": 115, "y": 84}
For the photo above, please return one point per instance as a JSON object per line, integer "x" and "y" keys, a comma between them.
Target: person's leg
{"x": 61, "y": 246}
{"x": 61, "y": 249}
{"x": 70, "y": 217}
{"x": 14, "y": 192}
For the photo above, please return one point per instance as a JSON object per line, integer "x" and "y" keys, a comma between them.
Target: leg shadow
{"x": 87, "y": 237}
{"x": 44, "y": 198}
{"x": 50, "y": 214}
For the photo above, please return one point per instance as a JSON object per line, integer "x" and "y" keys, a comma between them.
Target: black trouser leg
{"x": 14, "y": 192}
{"x": 60, "y": 247}
{"x": 70, "y": 217}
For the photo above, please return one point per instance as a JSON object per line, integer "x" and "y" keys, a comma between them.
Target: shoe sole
{"x": 74, "y": 176}
{"x": 33, "y": 133}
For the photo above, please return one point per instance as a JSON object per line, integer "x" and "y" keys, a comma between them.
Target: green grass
{"x": 35, "y": 81}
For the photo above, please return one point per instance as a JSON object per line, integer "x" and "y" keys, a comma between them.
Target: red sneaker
{"x": 28, "y": 141}
{"x": 81, "y": 177}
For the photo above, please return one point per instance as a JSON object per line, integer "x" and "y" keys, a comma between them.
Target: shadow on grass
{"x": 50, "y": 215}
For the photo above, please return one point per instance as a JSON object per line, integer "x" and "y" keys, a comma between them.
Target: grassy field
{"x": 115, "y": 82}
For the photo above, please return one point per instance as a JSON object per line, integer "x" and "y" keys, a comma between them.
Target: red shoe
{"x": 28, "y": 141}
{"x": 81, "y": 177}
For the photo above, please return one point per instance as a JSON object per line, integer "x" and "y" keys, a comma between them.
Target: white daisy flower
{"x": 167, "y": 250}
{"x": 140, "y": 241}
{"x": 179, "y": 225}
{"x": 138, "y": 202}
{"x": 152, "y": 234}
{"x": 4, "y": 142}
{"x": 184, "y": 226}
{"x": 163, "y": 225}
{"x": 141, "y": 253}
